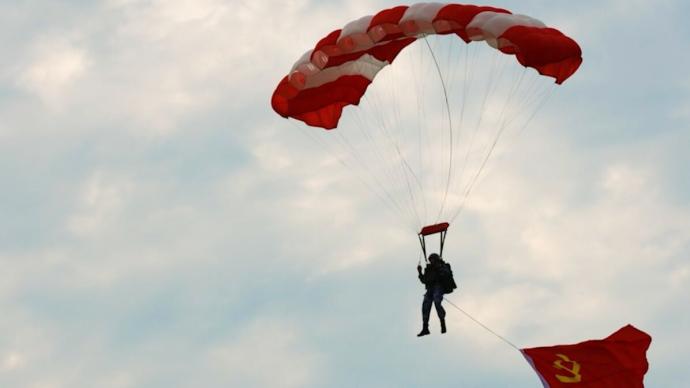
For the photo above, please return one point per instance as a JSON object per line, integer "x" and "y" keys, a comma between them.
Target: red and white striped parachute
{"x": 425, "y": 143}
{"x": 341, "y": 66}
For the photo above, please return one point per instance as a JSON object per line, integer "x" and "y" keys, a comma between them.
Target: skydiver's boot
{"x": 443, "y": 326}
{"x": 425, "y": 331}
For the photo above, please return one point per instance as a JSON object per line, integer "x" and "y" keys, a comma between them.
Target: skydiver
{"x": 434, "y": 277}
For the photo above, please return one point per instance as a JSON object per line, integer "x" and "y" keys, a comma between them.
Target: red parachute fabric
{"x": 338, "y": 71}
{"x": 617, "y": 361}
{"x": 433, "y": 229}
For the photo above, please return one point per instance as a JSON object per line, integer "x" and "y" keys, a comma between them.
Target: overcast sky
{"x": 161, "y": 226}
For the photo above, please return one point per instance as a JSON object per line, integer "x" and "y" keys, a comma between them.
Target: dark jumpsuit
{"x": 434, "y": 292}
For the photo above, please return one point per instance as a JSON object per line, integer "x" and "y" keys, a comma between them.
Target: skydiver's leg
{"x": 426, "y": 307}
{"x": 426, "y": 311}
{"x": 438, "y": 298}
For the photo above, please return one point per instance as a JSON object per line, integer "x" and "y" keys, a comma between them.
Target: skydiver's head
{"x": 434, "y": 258}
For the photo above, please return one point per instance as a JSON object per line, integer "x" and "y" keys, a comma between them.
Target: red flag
{"x": 618, "y": 360}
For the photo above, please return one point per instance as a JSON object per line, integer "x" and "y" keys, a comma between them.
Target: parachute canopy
{"x": 422, "y": 134}
{"x": 338, "y": 70}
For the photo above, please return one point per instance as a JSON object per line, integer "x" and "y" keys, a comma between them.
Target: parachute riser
{"x": 422, "y": 242}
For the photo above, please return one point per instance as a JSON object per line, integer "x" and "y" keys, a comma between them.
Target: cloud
{"x": 263, "y": 354}
{"x": 102, "y": 198}
{"x": 53, "y": 69}
{"x": 11, "y": 362}
{"x": 165, "y": 227}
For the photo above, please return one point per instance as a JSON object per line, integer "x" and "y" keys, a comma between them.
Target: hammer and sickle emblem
{"x": 574, "y": 370}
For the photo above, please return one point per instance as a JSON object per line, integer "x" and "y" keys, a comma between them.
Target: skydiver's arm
{"x": 420, "y": 275}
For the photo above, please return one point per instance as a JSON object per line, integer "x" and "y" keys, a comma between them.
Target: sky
{"x": 161, "y": 226}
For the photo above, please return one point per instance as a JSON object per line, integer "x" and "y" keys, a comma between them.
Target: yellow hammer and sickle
{"x": 575, "y": 371}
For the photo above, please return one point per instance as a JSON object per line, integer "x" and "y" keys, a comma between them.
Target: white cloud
{"x": 266, "y": 354}
{"x": 680, "y": 277}
{"x": 103, "y": 198}
{"x": 625, "y": 180}
{"x": 56, "y": 64}
{"x": 11, "y": 361}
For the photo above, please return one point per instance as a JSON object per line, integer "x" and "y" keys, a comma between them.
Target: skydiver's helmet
{"x": 434, "y": 258}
